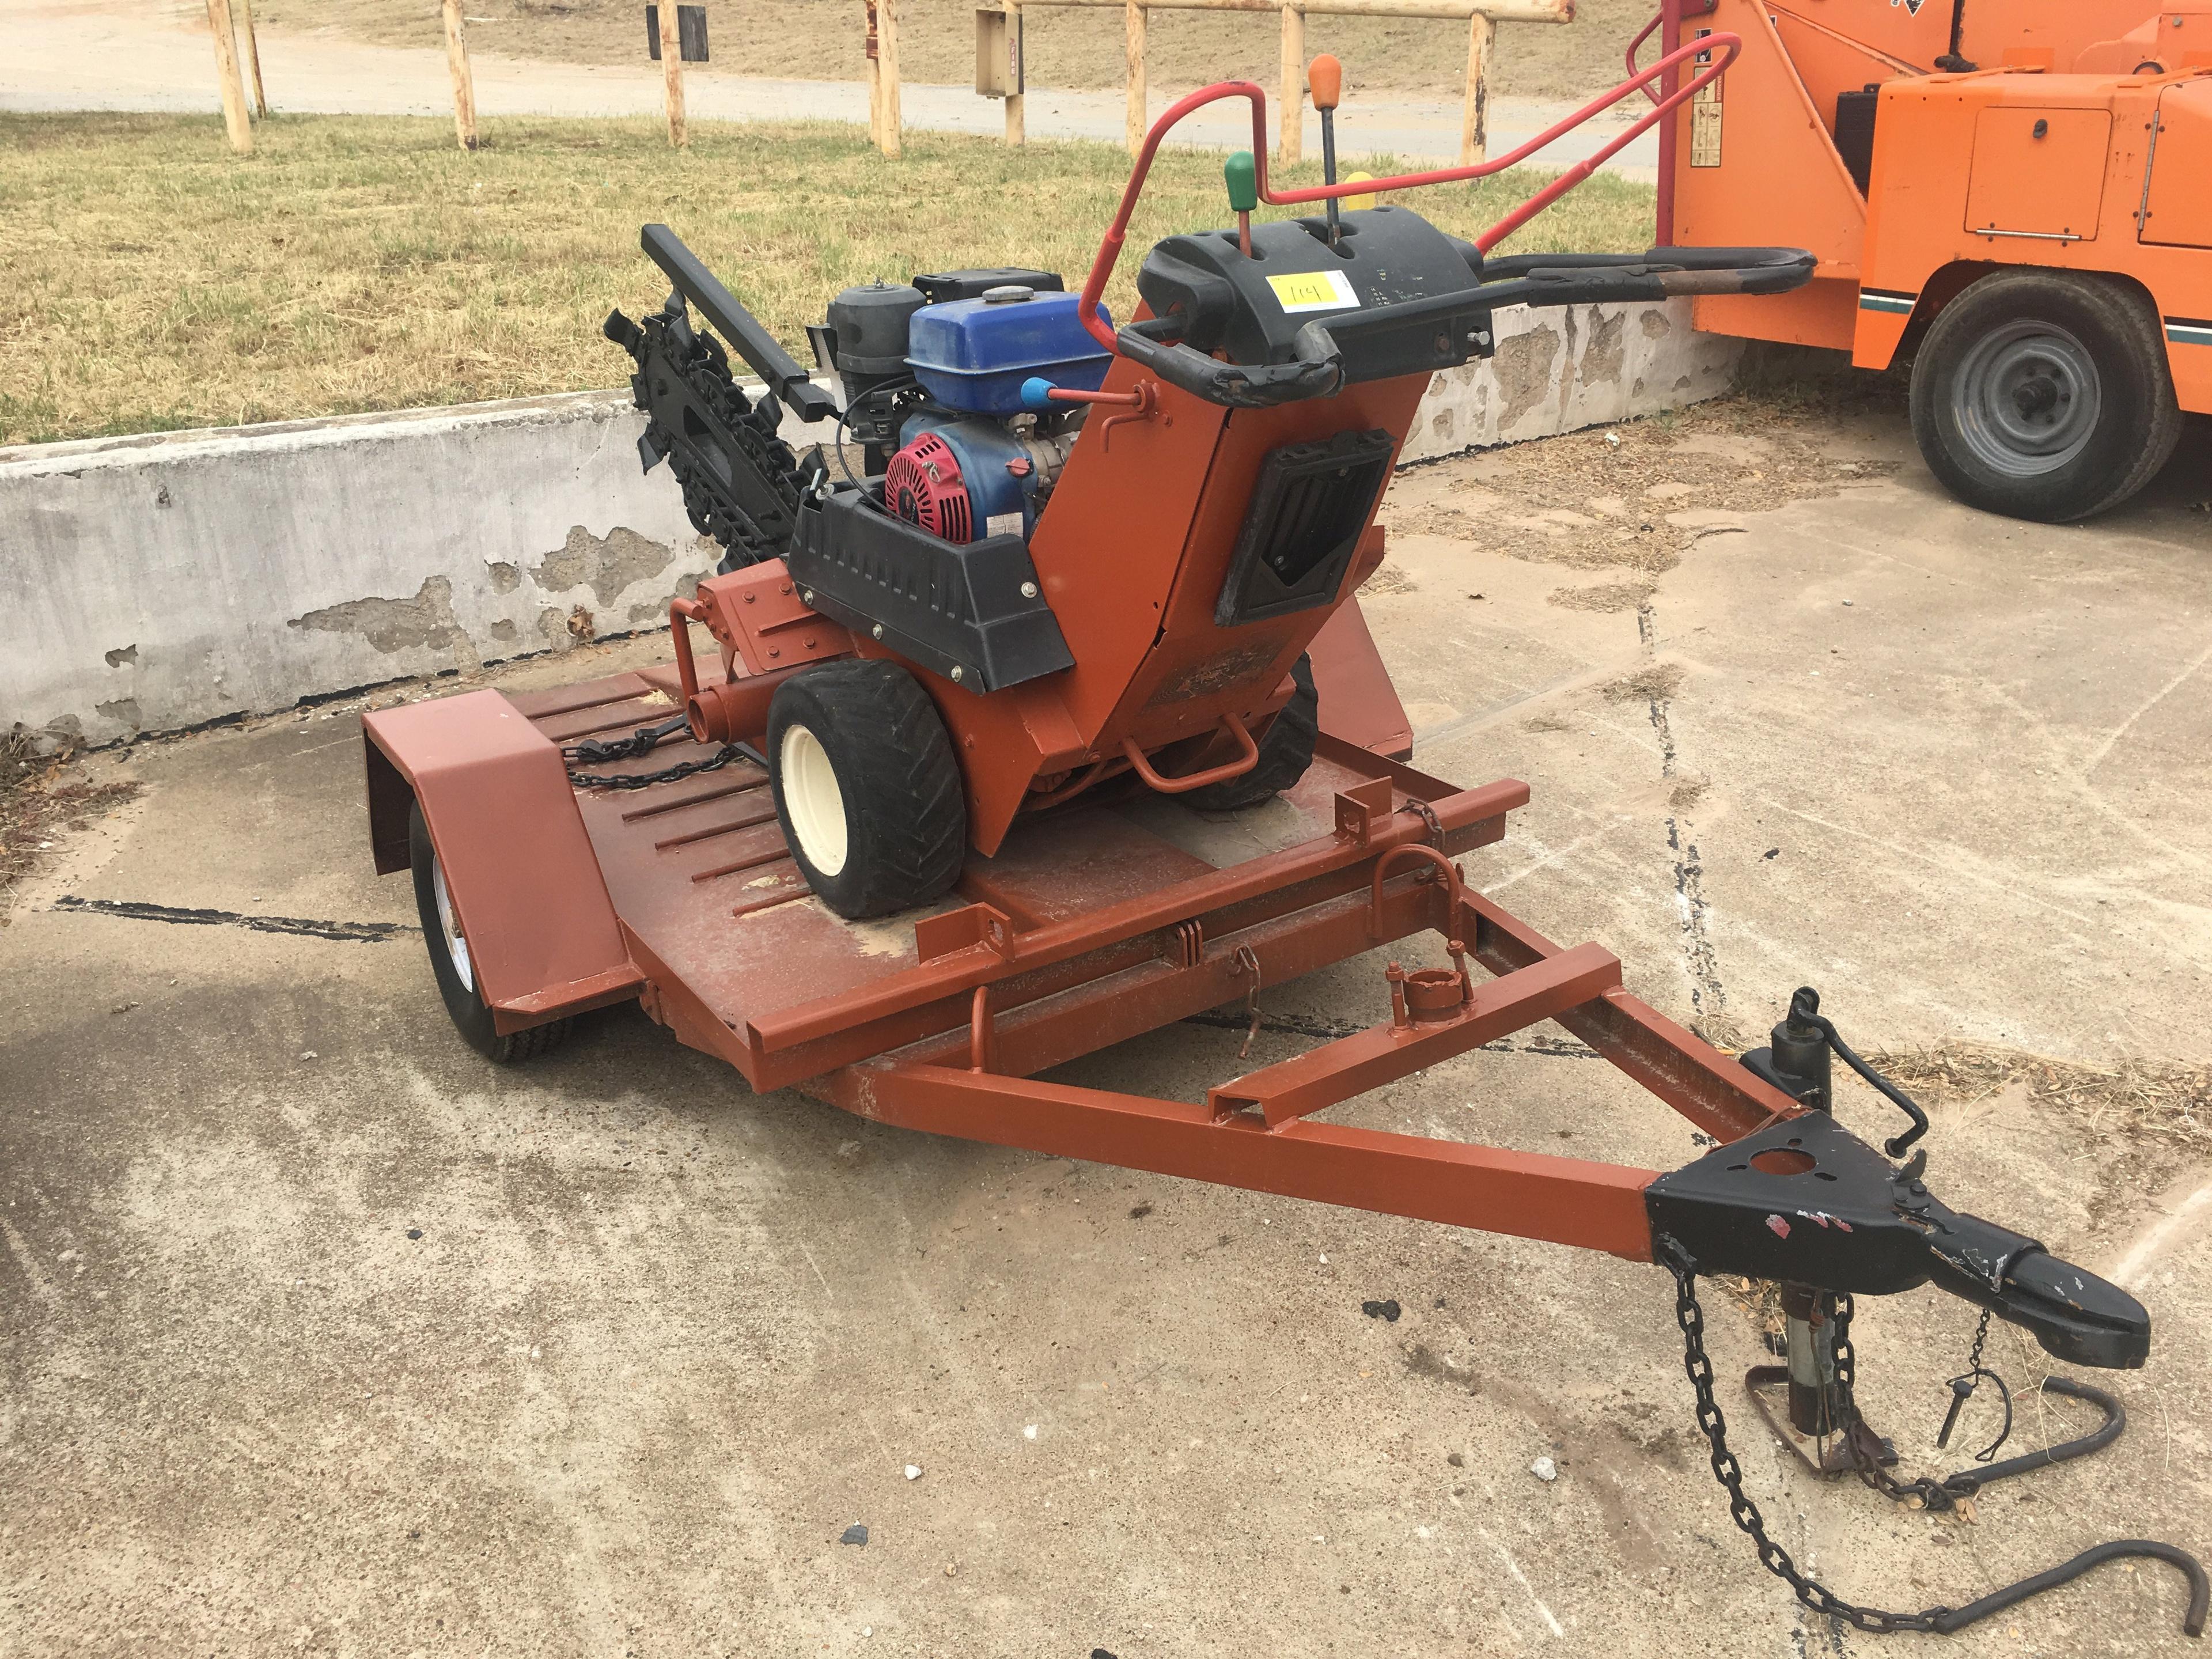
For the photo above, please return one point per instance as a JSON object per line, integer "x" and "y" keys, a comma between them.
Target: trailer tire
{"x": 1286, "y": 750}
{"x": 2044, "y": 395}
{"x": 867, "y": 788}
{"x": 449, "y": 961}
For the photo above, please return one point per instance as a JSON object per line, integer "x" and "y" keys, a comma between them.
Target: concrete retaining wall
{"x": 159, "y": 582}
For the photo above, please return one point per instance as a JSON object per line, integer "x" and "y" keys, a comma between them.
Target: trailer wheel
{"x": 1286, "y": 749}
{"x": 867, "y": 789}
{"x": 2044, "y": 395}
{"x": 450, "y": 961}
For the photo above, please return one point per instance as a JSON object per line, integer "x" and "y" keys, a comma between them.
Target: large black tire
{"x": 2044, "y": 395}
{"x": 449, "y": 961}
{"x": 1286, "y": 749}
{"x": 867, "y": 788}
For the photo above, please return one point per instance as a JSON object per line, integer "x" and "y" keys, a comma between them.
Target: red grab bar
{"x": 1726, "y": 46}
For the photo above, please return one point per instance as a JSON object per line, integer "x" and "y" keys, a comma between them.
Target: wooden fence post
{"x": 1133, "y": 14}
{"x": 235, "y": 120}
{"x": 1017, "y": 128}
{"x": 464, "y": 85}
{"x": 887, "y": 68}
{"x": 1291, "y": 144}
{"x": 874, "y": 75}
{"x": 672, "y": 70}
{"x": 254, "y": 58}
{"x": 1474, "y": 118}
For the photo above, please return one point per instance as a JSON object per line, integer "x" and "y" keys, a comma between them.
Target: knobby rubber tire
{"x": 2138, "y": 421}
{"x": 471, "y": 1014}
{"x": 905, "y": 806}
{"x": 1286, "y": 750}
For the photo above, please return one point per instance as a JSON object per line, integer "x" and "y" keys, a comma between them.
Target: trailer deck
{"x": 1095, "y": 922}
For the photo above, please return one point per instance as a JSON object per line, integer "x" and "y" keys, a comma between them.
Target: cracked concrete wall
{"x": 157, "y": 582}
{"x": 1557, "y": 371}
{"x": 163, "y": 582}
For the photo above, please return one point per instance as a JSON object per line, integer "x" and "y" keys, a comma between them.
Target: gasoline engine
{"x": 933, "y": 373}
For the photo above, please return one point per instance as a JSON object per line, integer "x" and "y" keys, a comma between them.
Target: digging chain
{"x": 1745, "y": 1513}
{"x": 706, "y": 369}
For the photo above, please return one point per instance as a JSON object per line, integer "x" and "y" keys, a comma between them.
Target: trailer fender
{"x": 518, "y": 865}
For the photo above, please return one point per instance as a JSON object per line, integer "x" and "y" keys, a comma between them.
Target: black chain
{"x": 1937, "y": 1495}
{"x": 594, "y": 752}
{"x": 1923, "y": 1492}
{"x": 1744, "y": 1512}
{"x": 754, "y": 425}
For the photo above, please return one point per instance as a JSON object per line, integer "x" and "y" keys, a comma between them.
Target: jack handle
{"x": 1805, "y": 1013}
{"x": 1722, "y": 47}
{"x": 1228, "y": 769}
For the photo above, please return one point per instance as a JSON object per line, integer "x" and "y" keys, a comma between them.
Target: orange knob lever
{"x": 1325, "y": 79}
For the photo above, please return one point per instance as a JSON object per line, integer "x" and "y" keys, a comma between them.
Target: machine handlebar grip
{"x": 1317, "y": 372}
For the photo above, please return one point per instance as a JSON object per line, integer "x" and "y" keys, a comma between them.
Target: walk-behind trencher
{"x": 921, "y": 829}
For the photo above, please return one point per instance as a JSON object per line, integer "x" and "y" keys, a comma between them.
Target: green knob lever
{"x": 1241, "y": 174}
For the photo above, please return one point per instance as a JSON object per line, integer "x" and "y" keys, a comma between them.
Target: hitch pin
{"x": 1962, "y": 1389}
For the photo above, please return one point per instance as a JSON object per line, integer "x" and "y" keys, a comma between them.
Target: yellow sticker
{"x": 1314, "y": 290}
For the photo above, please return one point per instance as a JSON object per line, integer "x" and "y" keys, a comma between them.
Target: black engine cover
{"x": 1252, "y": 309}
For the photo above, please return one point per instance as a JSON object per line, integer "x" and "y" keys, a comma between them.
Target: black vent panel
{"x": 1309, "y": 506}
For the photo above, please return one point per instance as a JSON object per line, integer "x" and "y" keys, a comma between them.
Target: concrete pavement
{"x": 1788, "y": 715}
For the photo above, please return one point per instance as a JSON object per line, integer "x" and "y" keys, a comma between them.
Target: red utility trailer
{"x": 1181, "y": 541}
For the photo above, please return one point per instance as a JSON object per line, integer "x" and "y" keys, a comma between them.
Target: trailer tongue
{"x": 926, "y": 830}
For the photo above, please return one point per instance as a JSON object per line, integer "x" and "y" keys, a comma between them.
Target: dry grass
{"x": 1073, "y": 46}
{"x": 2155, "y": 1106}
{"x": 357, "y": 264}
{"x": 40, "y": 794}
{"x": 1625, "y": 502}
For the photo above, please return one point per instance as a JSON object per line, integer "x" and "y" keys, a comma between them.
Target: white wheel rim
{"x": 450, "y": 925}
{"x": 812, "y": 799}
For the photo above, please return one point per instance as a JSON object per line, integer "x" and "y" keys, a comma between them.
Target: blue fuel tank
{"x": 973, "y": 355}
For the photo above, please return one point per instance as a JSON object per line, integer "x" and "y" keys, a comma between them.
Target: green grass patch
{"x": 355, "y": 263}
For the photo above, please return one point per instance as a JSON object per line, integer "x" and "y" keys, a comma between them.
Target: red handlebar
{"x": 1110, "y": 246}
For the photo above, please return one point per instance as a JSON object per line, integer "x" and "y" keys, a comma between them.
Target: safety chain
{"x": 1745, "y": 1513}
{"x": 1924, "y": 1493}
{"x": 596, "y": 752}
{"x": 1938, "y": 1495}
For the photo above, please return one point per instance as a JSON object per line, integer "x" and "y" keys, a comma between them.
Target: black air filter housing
{"x": 868, "y": 327}
{"x": 945, "y": 285}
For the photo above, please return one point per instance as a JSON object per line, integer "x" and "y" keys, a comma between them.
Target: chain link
{"x": 1923, "y": 1492}
{"x": 642, "y": 741}
{"x": 1742, "y": 1509}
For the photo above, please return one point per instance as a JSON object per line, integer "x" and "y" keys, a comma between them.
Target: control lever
{"x": 1325, "y": 78}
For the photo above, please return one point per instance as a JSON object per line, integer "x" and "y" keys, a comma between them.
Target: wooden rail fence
{"x": 999, "y": 55}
